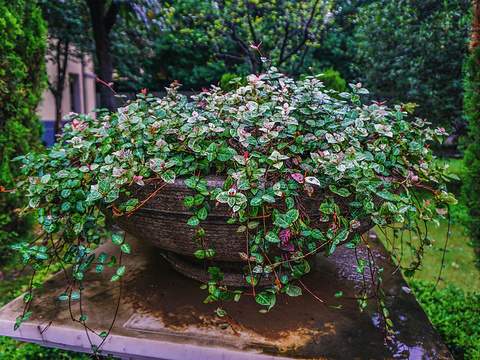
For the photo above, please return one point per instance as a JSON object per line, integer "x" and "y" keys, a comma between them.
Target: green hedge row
{"x": 455, "y": 314}
{"x": 22, "y": 81}
{"x": 471, "y": 175}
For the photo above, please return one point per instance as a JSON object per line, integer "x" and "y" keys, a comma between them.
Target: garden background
{"x": 423, "y": 53}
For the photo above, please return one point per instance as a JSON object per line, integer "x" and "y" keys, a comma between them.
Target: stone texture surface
{"x": 162, "y": 315}
{"x": 162, "y": 220}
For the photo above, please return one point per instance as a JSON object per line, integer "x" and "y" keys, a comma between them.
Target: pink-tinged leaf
{"x": 118, "y": 172}
{"x": 355, "y": 224}
{"x": 334, "y": 227}
{"x": 298, "y": 177}
{"x": 284, "y": 236}
{"x": 288, "y": 247}
{"x": 285, "y": 244}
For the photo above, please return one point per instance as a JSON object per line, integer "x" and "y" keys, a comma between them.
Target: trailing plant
{"x": 22, "y": 81}
{"x": 275, "y": 142}
{"x": 12, "y": 286}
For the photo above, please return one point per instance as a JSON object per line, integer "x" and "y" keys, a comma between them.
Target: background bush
{"x": 22, "y": 81}
{"x": 455, "y": 315}
{"x": 413, "y": 51}
{"x": 332, "y": 80}
{"x": 471, "y": 176}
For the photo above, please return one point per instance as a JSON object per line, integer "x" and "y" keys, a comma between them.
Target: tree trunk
{"x": 58, "y": 113}
{"x": 105, "y": 72}
{"x": 476, "y": 27}
{"x": 102, "y": 23}
{"x": 57, "y": 88}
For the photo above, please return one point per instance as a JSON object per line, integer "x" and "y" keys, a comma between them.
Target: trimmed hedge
{"x": 455, "y": 314}
{"x": 471, "y": 175}
{"x": 22, "y": 81}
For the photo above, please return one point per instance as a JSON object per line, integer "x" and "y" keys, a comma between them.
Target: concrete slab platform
{"x": 162, "y": 316}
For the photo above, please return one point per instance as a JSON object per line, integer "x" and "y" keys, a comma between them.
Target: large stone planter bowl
{"x": 162, "y": 222}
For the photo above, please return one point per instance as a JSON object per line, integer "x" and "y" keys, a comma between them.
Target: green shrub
{"x": 455, "y": 315}
{"x": 16, "y": 350}
{"x": 332, "y": 80}
{"x": 231, "y": 81}
{"x": 471, "y": 176}
{"x": 22, "y": 81}
{"x": 414, "y": 50}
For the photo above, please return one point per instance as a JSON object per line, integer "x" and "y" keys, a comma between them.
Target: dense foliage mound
{"x": 279, "y": 145}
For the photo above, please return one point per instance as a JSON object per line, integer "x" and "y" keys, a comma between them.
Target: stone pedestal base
{"x": 162, "y": 315}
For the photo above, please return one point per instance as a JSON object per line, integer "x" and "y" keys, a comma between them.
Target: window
{"x": 75, "y": 98}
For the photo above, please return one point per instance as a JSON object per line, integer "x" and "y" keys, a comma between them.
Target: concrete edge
{"x": 124, "y": 347}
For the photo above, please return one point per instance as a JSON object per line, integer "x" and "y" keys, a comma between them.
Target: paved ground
{"x": 162, "y": 316}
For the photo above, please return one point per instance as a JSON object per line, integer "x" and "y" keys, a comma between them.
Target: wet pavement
{"x": 162, "y": 315}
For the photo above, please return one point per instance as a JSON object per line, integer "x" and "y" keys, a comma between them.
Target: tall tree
{"x": 104, "y": 14}
{"x": 67, "y": 39}
{"x": 22, "y": 82}
{"x": 339, "y": 47}
{"x": 288, "y": 31}
{"x": 206, "y": 39}
{"x": 471, "y": 178}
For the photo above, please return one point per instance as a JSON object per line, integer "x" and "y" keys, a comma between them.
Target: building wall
{"x": 79, "y": 93}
